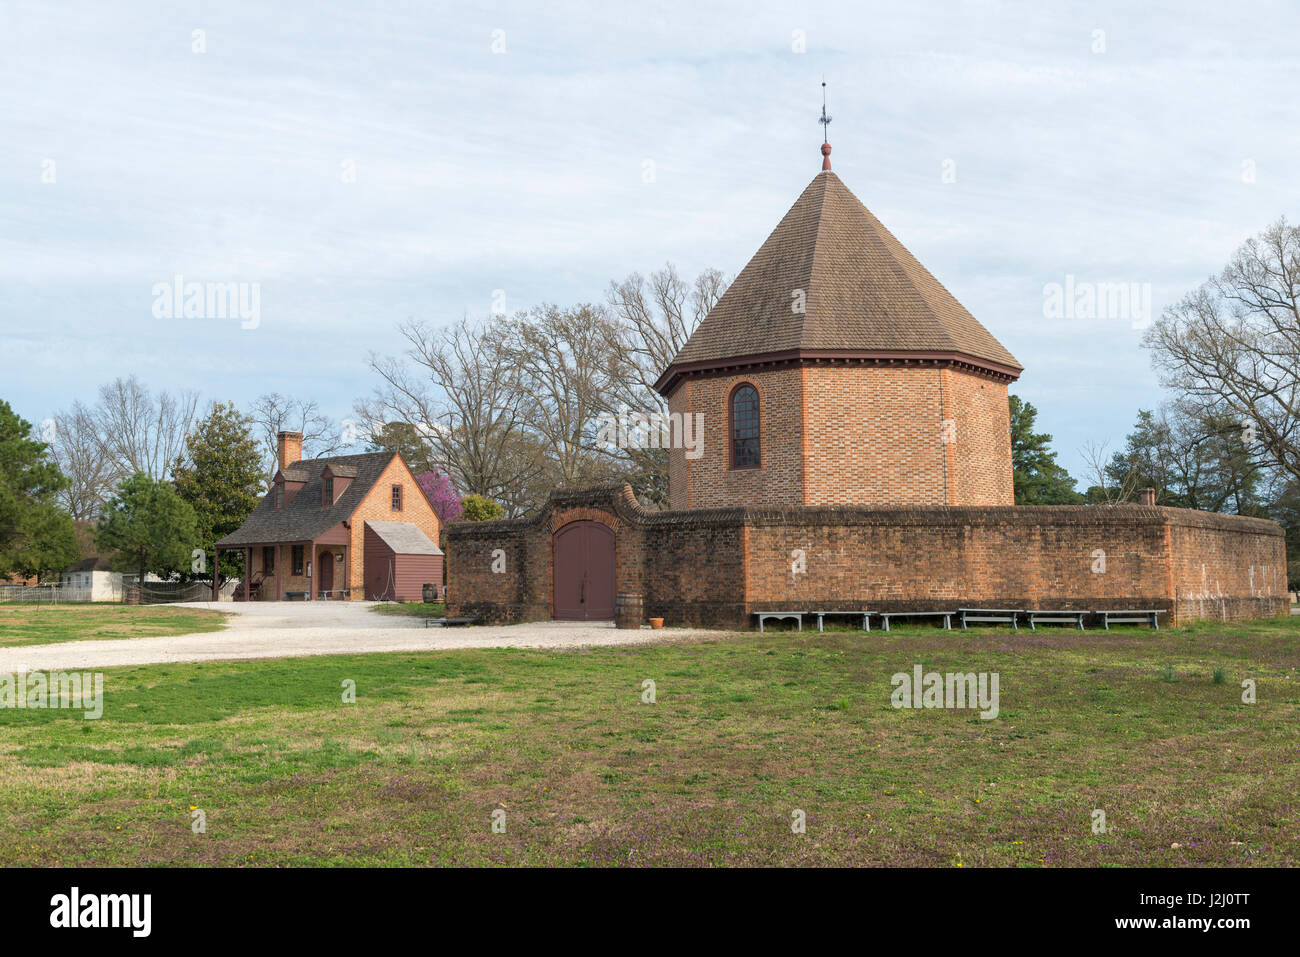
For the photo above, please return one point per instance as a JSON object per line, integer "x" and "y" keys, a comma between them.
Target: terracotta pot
{"x": 656, "y": 623}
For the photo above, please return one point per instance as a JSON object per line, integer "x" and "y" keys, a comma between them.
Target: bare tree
{"x": 273, "y": 413}
{"x": 85, "y": 461}
{"x": 1232, "y": 347}
{"x": 653, "y": 318}
{"x": 512, "y": 407}
{"x": 459, "y": 387}
{"x": 1099, "y": 478}
{"x": 140, "y": 431}
{"x": 568, "y": 361}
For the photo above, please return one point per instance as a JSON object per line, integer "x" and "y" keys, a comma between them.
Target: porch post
{"x": 216, "y": 572}
{"x": 248, "y": 573}
{"x": 279, "y": 589}
{"x": 311, "y": 567}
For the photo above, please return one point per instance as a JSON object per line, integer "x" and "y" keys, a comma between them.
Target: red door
{"x": 583, "y": 555}
{"x": 326, "y": 572}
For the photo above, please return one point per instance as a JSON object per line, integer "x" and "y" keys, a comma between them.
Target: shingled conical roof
{"x": 865, "y": 293}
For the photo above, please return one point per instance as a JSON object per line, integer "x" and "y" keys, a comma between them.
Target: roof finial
{"x": 825, "y": 121}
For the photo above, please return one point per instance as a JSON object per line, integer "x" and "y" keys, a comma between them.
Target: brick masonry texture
{"x": 715, "y": 566}
{"x": 838, "y": 434}
{"x": 378, "y": 507}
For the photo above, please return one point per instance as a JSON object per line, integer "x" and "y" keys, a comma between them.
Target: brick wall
{"x": 1219, "y": 568}
{"x": 978, "y": 446}
{"x": 284, "y": 563}
{"x": 876, "y": 436}
{"x": 377, "y": 506}
{"x": 714, "y": 566}
{"x": 709, "y": 481}
{"x": 851, "y": 435}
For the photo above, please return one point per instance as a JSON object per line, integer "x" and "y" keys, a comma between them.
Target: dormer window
{"x": 327, "y": 491}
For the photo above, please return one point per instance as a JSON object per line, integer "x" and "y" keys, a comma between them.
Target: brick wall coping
{"x": 619, "y": 499}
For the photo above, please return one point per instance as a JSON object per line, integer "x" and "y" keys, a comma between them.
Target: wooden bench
{"x": 449, "y": 622}
{"x": 326, "y": 594}
{"x": 1063, "y": 616}
{"x": 1006, "y": 616}
{"x": 1122, "y": 616}
{"x": 945, "y": 615}
{"x": 295, "y": 595}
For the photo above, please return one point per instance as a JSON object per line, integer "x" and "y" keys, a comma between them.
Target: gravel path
{"x": 291, "y": 629}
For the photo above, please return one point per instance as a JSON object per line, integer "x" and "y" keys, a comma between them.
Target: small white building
{"x": 93, "y": 579}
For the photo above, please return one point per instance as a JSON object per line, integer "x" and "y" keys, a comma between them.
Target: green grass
{"x": 45, "y": 624}
{"x": 745, "y": 730}
{"x": 417, "y": 609}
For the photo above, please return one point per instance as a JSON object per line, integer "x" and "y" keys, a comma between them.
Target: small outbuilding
{"x": 309, "y": 537}
{"x": 400, "y": 561}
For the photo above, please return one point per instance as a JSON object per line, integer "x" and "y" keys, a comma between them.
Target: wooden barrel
{"x": 628, "y": 610}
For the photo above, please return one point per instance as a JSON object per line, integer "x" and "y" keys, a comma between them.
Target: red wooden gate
{"x": 583, "y": 554}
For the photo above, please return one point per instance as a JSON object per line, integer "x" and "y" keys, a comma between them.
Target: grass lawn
{"x": 415, "y": 609}
{"x": 745, "y": 730}
{"x": 43, "y": 624}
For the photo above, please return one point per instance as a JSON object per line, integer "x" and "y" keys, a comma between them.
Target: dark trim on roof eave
{"x": 709, "y": 368}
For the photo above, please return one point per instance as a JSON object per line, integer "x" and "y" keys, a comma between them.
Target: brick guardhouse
{"x": 856, "y": 455}
{"x": 343, "y": 527}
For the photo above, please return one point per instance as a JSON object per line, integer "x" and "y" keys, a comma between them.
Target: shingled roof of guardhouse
{"x": 303, "y": 517}
{"x": 864, "y": 293}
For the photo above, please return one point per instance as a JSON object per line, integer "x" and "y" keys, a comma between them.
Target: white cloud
{"x": 524, "y": 171}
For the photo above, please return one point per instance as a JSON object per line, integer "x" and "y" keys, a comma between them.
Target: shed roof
{"x": 95, "y": 563}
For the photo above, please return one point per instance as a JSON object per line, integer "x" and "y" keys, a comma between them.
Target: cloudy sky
{"x": 369, "y": 162}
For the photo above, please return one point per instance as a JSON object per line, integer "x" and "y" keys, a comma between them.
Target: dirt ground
{"x": 292, "y": 629}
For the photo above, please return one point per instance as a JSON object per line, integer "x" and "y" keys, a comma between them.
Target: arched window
{"x": 744, "y": 427}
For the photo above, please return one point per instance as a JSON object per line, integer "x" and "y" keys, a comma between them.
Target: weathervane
{"x": 825, "y": 121}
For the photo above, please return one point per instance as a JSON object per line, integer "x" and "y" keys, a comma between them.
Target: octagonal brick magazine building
{"x": 856, "y": 455}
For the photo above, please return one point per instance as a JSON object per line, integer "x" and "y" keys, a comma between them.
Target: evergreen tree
{"x": 1039, "y": 478}
{"x": 406, "y": 439}
{"x": 1193, "y": 458}
{"x": 149, "y": 527}
{"x": 224, "y": 481}
{"x": 36, "y": 535}
{"x": 1286, "y": 512}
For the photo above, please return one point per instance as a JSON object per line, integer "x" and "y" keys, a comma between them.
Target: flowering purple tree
{"x": 442, "y": 493}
